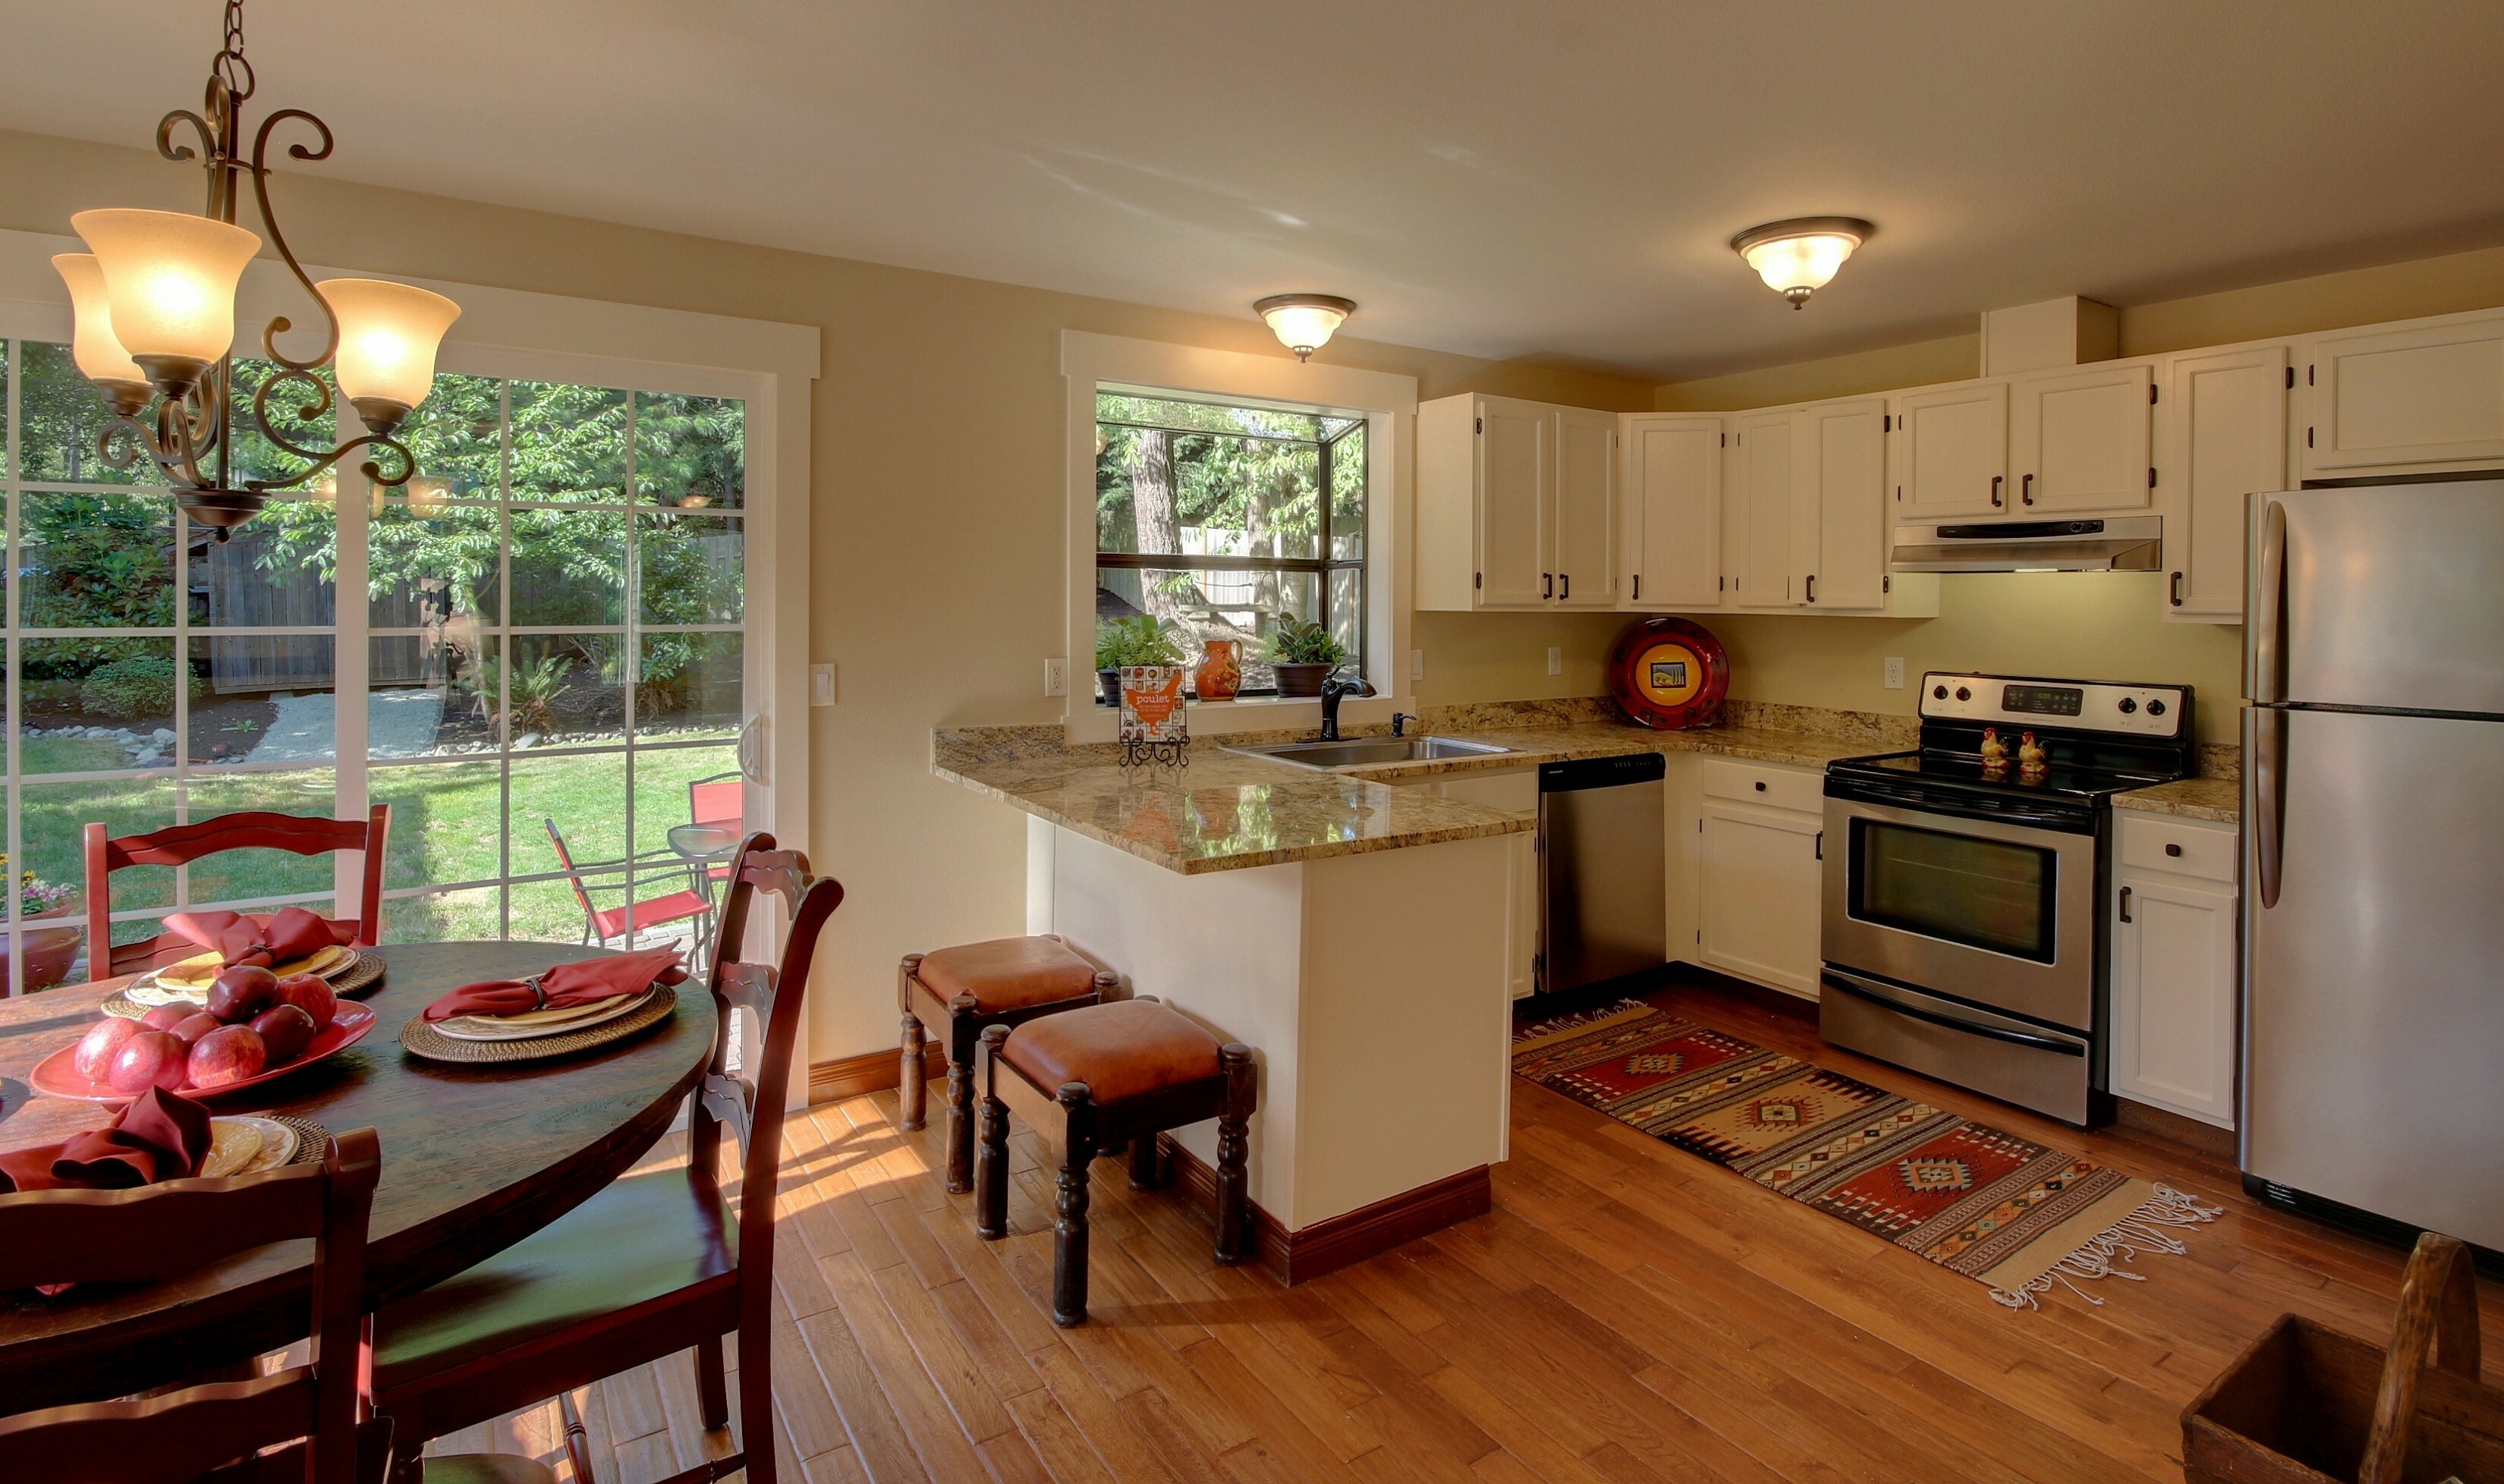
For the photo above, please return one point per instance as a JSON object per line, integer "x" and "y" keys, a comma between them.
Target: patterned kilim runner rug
{"x": 1975, "y": 1199}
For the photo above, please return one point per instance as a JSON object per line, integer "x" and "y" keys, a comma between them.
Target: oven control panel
{"x": 2130, "y": 710}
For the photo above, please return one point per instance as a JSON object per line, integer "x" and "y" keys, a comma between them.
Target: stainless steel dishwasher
{"x": 1603, "y": 900}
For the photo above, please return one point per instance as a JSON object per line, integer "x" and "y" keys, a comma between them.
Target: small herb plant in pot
{"x": 1120, "y": 641}
{"x": 1302, "y": 655}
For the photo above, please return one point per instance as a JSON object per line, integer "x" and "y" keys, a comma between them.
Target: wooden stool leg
{"x": 1069, "y": 1207}
{"x": 1147, "y": 1172}
{"x": 992, "y": 1155}
{"x": 910, "y": 1094}
{"x": 961, "y": 1095}
{"x": 1233, "y": 1200}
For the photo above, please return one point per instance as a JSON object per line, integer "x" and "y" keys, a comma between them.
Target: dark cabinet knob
{"x": 1760, "y": 785}
{"x": 2173, "y": 849}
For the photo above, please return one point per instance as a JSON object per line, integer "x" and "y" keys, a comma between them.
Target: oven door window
{"x": 1962, "y": 889}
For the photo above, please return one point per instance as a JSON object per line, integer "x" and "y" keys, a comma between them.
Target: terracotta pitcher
{"x": 1220, "y": 670}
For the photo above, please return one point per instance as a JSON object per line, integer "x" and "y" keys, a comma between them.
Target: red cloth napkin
{"x": 579, "y": 982}
{"x": 158, "y": 1136}
{"x": 290, "y": 934}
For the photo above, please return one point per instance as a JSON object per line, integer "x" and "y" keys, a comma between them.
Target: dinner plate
{"x": 247, "y": 1146}
{"x": 200, "y": 972}
{"x": 532, "y": 1023}
{"x": 152, "y": 989}
{"x": 58, "y": 1076}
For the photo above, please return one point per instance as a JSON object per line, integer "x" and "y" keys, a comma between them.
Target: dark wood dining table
{"x": 473, "y": 1159}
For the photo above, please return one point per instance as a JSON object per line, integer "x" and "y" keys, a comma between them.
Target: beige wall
{"x": 2088, "y": 625}
{"x": 937, "y": 506}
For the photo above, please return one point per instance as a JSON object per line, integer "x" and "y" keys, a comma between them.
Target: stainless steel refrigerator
{"x": 2372, "y": 900}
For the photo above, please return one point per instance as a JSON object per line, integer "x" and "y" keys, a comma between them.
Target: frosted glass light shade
{"x": 1304, "y": 322}
{"x": 1798, "y": 257}
{"x": 388, "y": 336}
{"x": 169, "y": 278}
{"x": 99, "y": 356}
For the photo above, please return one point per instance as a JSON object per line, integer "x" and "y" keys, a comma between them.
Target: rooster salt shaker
{"x": 2030, "y": 754}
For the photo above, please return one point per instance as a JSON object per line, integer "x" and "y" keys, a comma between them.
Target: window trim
{"x": 1388, "y": 404}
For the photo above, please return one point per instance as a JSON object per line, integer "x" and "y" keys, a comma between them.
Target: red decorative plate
{"x": 1669, "y": 674}
{"x": 56, "y": 1077}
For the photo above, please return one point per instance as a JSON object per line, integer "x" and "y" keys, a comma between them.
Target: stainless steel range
{"x": 1962, "y": 932}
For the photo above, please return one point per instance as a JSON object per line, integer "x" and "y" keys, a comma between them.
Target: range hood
{"x": 2125, "y": 544}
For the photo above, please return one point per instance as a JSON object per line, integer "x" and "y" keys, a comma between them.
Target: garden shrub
{"x": 139, "y": 685}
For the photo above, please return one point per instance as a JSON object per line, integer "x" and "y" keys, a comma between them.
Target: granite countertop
{"x": 1227, "y": 811}
{"x": 2209, "y": 798}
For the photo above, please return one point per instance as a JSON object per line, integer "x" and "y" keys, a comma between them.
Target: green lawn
{"x": 444, "y": 828}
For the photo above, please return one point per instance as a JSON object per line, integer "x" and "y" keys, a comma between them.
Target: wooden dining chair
{"x": 122, "y": 1236}
{"x": 183, "y": 843}
{"x": 654, "y": 1263}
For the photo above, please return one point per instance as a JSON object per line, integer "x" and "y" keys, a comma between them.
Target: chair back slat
{"x": 181, "y": 1434}
{"x": 169, "y": 1439}
{"x": 751, "y": 987}
{"x": 733, "y": 1101}
{"x": 248, "y": 830}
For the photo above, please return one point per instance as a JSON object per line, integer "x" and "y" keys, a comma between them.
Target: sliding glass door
{"x": 535, "y": 653}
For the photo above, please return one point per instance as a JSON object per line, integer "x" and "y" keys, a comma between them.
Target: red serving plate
{"x": 56, "y": 1076}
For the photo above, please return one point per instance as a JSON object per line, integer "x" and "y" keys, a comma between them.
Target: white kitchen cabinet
{"x": 2079, "y": 439}
{"x": 1514, "y": 504}
{"x": 2224, "y": 421}
{"x": 2425, "y": 397}
{"x": 1839, "y": 473}
{"x": 2172, "y": 1007}
{"x": 1759, "y": 841}
{"x": 1952, "y": 451}
{"x": 1670, "y": 507}
{"x": 1762, "y": 511}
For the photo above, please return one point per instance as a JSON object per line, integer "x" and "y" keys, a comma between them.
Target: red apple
{"x": 229, "y": 1053}
{"x": 285, "y": 1029}
{"x": 152, "y": 1059}
{"x": 166, "y": 1016}
{"x": 242, "y": 992}
{"x": 96, "y": 1048}
{"x": 194, "y": 1025}
{"x": 310, "y": 993}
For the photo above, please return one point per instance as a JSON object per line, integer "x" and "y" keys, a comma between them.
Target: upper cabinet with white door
{"x": 1516, "y": 504}
{"x": 1669, "y": 505}
{"x": 2078, "y": 440}
{"x": 2224, "y": 425}
{"x": 2419, "y": 398}
{"x": 1952, "y": 452}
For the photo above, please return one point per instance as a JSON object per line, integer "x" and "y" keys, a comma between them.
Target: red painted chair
{"x": 600, "y": 924}
{"x": 186, "y": 842}
{"x": 721, "y": 801}
{"x": 651, "y": 1265}
{"x": 119, "y": 1236}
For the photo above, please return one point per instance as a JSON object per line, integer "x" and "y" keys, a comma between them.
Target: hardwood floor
{"x": 1626, "y": 1313}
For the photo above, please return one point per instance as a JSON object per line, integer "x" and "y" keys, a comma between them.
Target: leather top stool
{"x": 1094, "y": 1079}
{"x": 954, "y": 992}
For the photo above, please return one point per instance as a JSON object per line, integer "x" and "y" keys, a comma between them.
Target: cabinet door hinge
{"x": 1478, "y": 580}
{"x": 1885, "y": 423}
{"x": 1481, "y": 425}
{"x": 2151, "y": 476}
{"x": 2308, "y": 437}
{"x": 1725, "y": 437}
{"x": 2290, "y": 378}
{"x": 2151, "y": 393}
{"x": 1718, "y": 580}
{"x": 2308, "y": 375}
{"x": 1886, "y": 585}
{"x": 1699, "y": 936}
{"x": 1899, "y": 492}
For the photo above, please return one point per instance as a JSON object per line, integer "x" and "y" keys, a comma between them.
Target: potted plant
{"x": 1302, "y": 655}
{"x": 49, "y": 951}
{"x": 1120, "y": 641}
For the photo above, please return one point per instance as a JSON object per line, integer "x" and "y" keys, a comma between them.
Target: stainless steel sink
{"x": 1357, "y": 752}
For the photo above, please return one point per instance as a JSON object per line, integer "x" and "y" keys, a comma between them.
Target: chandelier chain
{"x": 230, "y": 68}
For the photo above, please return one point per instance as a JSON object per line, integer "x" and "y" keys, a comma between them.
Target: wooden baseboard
{"x": 1324, "y": 1247}
{"x": 869, "y": 1072}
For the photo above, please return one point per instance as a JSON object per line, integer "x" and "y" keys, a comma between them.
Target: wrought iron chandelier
{"x": 154, "y": 306}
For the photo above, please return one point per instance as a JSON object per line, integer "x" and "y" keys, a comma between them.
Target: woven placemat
{"x": 311, "y": 1138}
{"x": 421, "y": 1039}
{"x": 365, "y": 971}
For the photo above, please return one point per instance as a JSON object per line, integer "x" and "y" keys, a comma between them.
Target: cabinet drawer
{"x": 1765, "y": 783}
{"x": 2153, "y": 842}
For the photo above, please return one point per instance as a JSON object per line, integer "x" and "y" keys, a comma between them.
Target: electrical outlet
{"x": 1894, "y": 672}
{"x": 822, "y": 685}
{"x": 1416, "y": 664}
{"x": 1056, "y": 677}
{"x": 1555, "y": 660}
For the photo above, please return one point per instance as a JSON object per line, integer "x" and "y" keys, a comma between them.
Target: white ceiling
{"x": 1545, "y": 177}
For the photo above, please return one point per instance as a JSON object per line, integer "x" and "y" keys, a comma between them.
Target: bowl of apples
{"x": 255, "y": 1026}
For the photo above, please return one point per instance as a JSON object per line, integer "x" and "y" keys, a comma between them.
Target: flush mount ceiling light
{"x": 154, "y": 307}
{"x": 1798, "y": 257}
{"x": 1304, "y": 322}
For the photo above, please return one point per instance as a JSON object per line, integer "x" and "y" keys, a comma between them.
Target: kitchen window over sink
{"x": 1222, "y": 517}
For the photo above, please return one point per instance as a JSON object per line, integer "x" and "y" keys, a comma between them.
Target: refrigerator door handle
{"x": 2269, "y": 799}
{"x": 2269, "y": 611}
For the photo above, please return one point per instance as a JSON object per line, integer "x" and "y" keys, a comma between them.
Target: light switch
{"x": 1056, "y": 677}
{"x": 1555, "y": 660}
{"x": 1416, "y": 664}
{"x": 822, "y": 685}
{"x": 1894, "y": 672}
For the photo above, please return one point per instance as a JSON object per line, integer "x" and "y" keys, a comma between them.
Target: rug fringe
{"x": 2120, "y": 1242}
